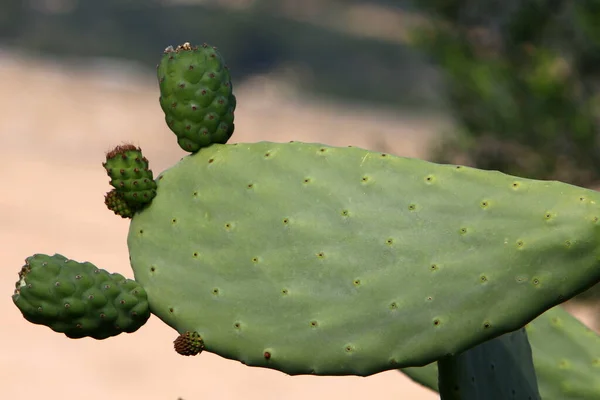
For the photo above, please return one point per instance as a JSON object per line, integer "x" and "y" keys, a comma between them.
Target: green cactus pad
{"x": 499, "y": 369}
{"x": 78, "y": 299}
{"x": 566, "y": 356}
{"x": 115, "y": 202}
{"x": 130, "y": 175}
{"x": 196, "y": 96}
{"x": 314, "y": 259}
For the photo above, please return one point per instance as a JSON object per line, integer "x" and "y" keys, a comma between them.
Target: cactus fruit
{"x": 130, "y": 175}
{"x": 333, "y": 261}
{"x": 566, "y": 357}
{"x": 189, "y": 344}
{"x": 78, "y": 299}
{"x": 499, "y": 369}
{"x": 196, "y": 95}
{"x": 115, "y": 202}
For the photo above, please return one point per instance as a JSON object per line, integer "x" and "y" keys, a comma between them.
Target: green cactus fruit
{"x": 334, "y": 261}
{"x": 130, "y": 175}
{"x": 115, "y": 201}
{"x": 566, "y": 356}
{"x": 78, "y": 299}
{"x": 499, "y": 369}
{"x": 196, "y": 95}
{"x": 189, "y": 344}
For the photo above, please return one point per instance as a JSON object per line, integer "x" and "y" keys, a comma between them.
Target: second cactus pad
{"x": 566, "y": 357}
{"x": 78, "y": 299}
{"x": 313, "y": 259}
{"x": 196, "y": 95}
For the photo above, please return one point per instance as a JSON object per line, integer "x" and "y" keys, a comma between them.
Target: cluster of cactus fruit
{"x": 312, "y": 259}
{"x": 132, "y": 179}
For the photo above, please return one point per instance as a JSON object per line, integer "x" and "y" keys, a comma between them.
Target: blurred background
{"x": 509, "y": 85}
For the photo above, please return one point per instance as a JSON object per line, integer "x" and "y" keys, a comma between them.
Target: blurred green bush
{"x": 522, "y": 82}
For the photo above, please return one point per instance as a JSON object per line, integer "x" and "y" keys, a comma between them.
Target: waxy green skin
{"x": 131, "y": 176}
{"x": 311, "y": 259}
{"x": 566, "y": 356}
{"x": 196, "y": 96}
{"x": 78, "y": 299}
{"x": 499, "y": 369}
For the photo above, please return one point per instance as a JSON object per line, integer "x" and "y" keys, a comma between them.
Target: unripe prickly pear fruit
{"x": 130, "y": 175}
{"x": 189, "y": 344}
{"x": 115, "y": 201}
{"x": 78, "y": 299}
{"x": 196, "y": 96}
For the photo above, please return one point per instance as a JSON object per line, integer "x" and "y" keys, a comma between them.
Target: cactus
{"x": 306, "y": 252}
{"x": 566, "y": 357}
{"x": 130, "y": 175}
{"x": 78, "y": 299}
{"x": 312, "y": 259}
{"x": 196, "y": 95}
{"x": 499, "y": 369}
{"x": 115, "y": 201}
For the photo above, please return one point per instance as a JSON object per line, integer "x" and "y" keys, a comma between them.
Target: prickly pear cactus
{"x": 499, "y": 369}
{"x": 566, "y": 356}
{"x": 196, "y": 95}
{"x": 130, "y": 176}
{"x": 115, "y": 201}
{"x": 78, "y": 299}
{"x": 312, "y": 259}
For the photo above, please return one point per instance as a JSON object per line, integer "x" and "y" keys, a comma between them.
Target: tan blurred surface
{"x": 56, "y": 125}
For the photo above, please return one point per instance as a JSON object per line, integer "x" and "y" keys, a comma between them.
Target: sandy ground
{"x": 55, "y": 127}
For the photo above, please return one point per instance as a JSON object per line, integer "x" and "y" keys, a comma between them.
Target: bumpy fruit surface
{"x": 130, "y": 175}
{"x": 189, "y": 344}
{"x": 78, "y": 299}
{"x": 196, "y": 96}
{"x": 315, "y": 259}
{"x": 115, "y": 201}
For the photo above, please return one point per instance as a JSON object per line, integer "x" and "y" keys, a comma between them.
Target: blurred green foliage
{"x": 523, "y": 84}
